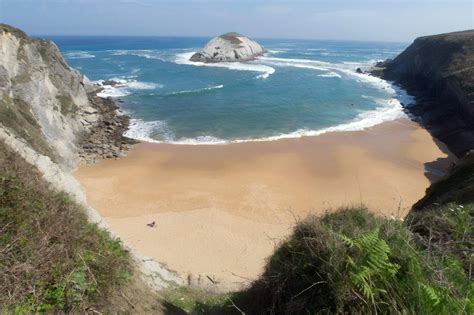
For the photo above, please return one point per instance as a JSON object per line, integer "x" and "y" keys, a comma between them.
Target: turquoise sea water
{"x": 298, "y": 88}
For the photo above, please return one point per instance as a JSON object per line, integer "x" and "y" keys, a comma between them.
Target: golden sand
{"x": 220, "y": 210}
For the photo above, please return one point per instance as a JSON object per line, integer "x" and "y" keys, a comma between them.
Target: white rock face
{"x": 38, "y": 85}
{"x": 229, "y": 47}
{"x": 35, "y": 76}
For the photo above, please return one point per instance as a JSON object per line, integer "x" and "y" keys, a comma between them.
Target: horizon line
{"x": 209, "y": 37}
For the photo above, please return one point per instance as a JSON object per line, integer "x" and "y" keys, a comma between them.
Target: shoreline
{"x": 220, "y": 210}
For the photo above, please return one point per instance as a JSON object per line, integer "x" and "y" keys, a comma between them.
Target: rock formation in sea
{"x": 229, "y": 47}
{"x": 439, "y": 71}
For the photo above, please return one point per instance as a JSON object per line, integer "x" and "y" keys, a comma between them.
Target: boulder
{"x": 229, "y": 47}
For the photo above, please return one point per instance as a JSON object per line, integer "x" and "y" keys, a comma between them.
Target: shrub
{"x": 351, "y": 261}
{"x": 51, "y": 258}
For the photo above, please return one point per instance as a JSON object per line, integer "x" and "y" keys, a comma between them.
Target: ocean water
{"x": 298, "y": 88}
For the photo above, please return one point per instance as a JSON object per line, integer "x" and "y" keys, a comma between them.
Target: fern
{"x": 370, "y": 264}
{"x": 430, "y": 294}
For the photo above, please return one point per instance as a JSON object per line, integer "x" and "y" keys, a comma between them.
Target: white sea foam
{"x": 151, "y": 131}
{"x": 330, "y": 75}
{"x": 266, "y": 71}
{"x": 197, "y": 90}
{"x": 78, "y": 55}
{"x": 143, "y": 53}
{"x": 296, "y": 63}
{"x": 206, "y": 140}
{"x": 388, "y": 109}
{"x": 292, "y": 60}
{"x": 145, "y": 130}
{"x": 277, "y": 51}
{"x": 124, "y": 87}
{"x": 335, "y": 70}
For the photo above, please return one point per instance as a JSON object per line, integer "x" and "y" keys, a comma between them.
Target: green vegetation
{"x": 21, "y": 79}
{"x": 232, "y": 37}
{"x": 16, "y": 115}
{"x": 193, "y": 300}
{"x": 45, "y": 48}
{"x": 50, "y": 257}
{"x": 457, "y": 187}
{"x": 13, "y": 30}
{"x": 67, "y": 104}
{"x": 352, "y": 261}
{"x": 447, "y": 230}
{"x": 21, "y": 53}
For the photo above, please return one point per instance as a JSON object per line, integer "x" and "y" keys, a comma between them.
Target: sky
{"x": 365, "y": 20}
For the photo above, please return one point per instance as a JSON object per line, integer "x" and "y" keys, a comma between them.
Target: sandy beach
{"x": 220, "y": 210}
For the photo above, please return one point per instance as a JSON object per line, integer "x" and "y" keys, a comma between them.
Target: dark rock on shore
{"x": 105, "y": 138}
{"x": 110, "y": 82}
{"x": 439, "y": 71}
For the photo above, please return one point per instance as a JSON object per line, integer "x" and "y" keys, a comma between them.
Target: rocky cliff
{"x": 229, "y": 47}
{"x": 51, "y": 117}
{"x": 52, "y": 107}
{"x": 41, "y": 96}
{"x": 439, "y": 71}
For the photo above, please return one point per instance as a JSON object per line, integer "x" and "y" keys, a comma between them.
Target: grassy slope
{"x": 51, "y": 258}
{"x": 457, "y": 186}
{"x": 352, "y": 261}
{"x": 16, "y": 116}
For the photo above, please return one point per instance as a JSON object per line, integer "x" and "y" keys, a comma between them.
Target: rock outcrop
{"x": 229, "y": 47}
{"x": 51, "y": 106}
{"x": 51, "y": 117}
{"x": 105, "y": 138}
{"x": 439, "y": 71}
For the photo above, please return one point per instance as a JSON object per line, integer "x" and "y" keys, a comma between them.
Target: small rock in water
{"x": 152, "y": 224}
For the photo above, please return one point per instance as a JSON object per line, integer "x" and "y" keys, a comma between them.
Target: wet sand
{"x": 220, "y": 210}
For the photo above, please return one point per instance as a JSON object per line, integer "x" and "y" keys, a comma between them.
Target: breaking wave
{"x": 159, "y": 132}
{"x": 124, "y": 87}
{"x": 388, "y": 106}
{"x": 387, "y": 110}
{"x": 266, "y": 71}
{"x": 78, "y": 55}
{"x": 197, "y": 90}
{"x": 330, "y": 75}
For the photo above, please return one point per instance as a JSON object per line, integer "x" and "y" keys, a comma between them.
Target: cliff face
{"x": 229, "y": 47}
{"x": 51, "y": 117}
{"x": 42, "y": 100}
{"x": 439, "y": 70}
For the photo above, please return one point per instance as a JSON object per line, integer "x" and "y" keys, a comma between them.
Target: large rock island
{"x": 229, "y": 47}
